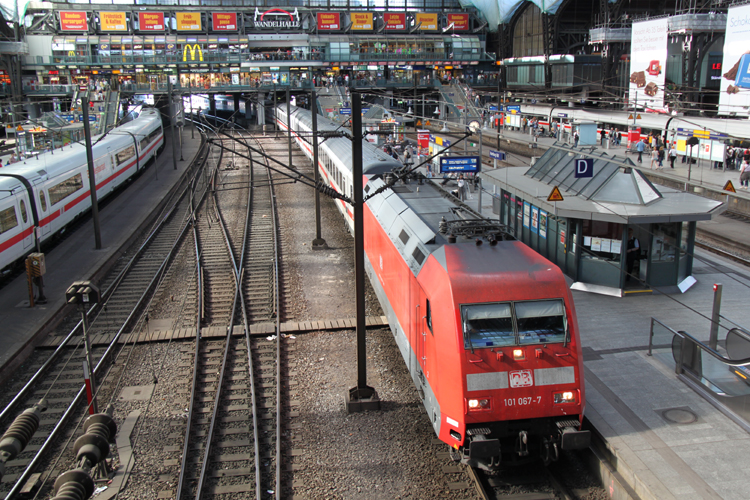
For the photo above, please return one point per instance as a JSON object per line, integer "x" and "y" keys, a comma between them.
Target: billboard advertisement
{"x": 188, "y": 21}
{"x": 648, "y": 56}
{"x": 112, "y": 21}
{"x": 73, "y": 21}
{"x": 361, "y": 21}
{"x": 151, "y": 21}
{"x": 735, "y": 80}
{"x": 394, "y": 21}
{"x": 460, "y": 22}
{"x": 429, "y": 22}
{"x": 329, "y": 21}
{"x": 224, "y": 21}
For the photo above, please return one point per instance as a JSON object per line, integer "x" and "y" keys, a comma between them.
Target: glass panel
{"x": 8, "y": 219}
{"x": 23, "y": 212}
{"x": 43, "y": 201}
{"x": 488, "y": 325}
{"x": 65, "y": 188}
{"x": 540, "y": 322}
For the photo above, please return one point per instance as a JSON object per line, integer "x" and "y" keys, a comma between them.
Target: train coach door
{"x": 43, "y": 204}
{"x": 27, "y": 221}
{"x": 422, "y": 332}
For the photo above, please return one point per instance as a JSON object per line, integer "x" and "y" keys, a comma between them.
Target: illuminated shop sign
{"x": 329, "y": 21}
{"x": 460, "y": 22}
{"x": 361, "y": 21}
{"x": 73, "y": 21}
{"x": 112, "y": 21}
{"x": 429, "y": 22}
{"x": 192, "y": 49}
{"x": 394, "y": 21}
{"x": 224, "y": 21}
{"x": 151, "y": 21}
{"x": 276, "y": 18}
{"x": 188, "y": 21}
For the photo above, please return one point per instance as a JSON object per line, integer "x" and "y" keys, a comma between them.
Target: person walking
{"x": 640, "y": 147}
{"x": 576, "y": 138}
{"x": 654, "y": 158}
{"x": 603, "y": 135}
{"x": 634, "y": 248}
{"x": 672, "y": 155}
{"x": 661, "y": 157}
{"x": 461, "y": 185}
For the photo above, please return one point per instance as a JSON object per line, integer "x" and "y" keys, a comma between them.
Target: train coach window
{"x": 8, "y": 219}
{"x": 67, "y": 187}
{"x": 487, "y": 325}
{"x": 43, "y": 201}
{"x": 23, "y": 212}
{"x": 125, "y": 155}
{"x": 540, "y": 322}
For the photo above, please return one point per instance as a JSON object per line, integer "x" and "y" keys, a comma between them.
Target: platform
{"x": 75, "y": 258}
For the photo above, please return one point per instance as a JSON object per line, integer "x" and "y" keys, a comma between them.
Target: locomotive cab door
{"x": 421, "y": 329}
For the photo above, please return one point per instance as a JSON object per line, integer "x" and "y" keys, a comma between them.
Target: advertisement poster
{"x": 112, "y": 21}
{"x": 151, "y": 21}
{"x": 534, "y": 220}
{"x": 460, "y": 22}
{"x": 543, "y": 224}
{"x": 224, "y": 21}
{"x": 648, "y": 56}
{"x": 429, "y": 22}
{"x": 423, "y": 140}
{"x": 361, "y": 21}
{"x": 526, "y": 213}
{"x": 73, "y": 21}
{"x": 735, "y": 79}
{"x": 188, "y": 21}
{"x": 394, "y": 21}
{"x": 329, "y": 21}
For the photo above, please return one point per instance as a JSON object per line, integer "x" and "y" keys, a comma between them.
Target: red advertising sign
{"x": 423, "y": 141}
{"x": 329, "y": 21}
{"x": 225, "y": 21}
{"x": 73, "y": 21}
{"x": 460, "y": 22}
{"x": 394, "y": 21}
{"x": 151, "y": 21}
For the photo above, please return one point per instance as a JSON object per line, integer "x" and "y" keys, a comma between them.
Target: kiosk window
{"x": 8, "y": 219}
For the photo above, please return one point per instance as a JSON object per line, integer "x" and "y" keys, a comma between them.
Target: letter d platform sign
{"x": 584, "y": 167}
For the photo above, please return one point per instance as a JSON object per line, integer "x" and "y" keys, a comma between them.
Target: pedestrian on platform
{"x": 654, "y": 158}
{"x": 461, "y": 186}
{"x": 745, "y": 174}
{"x": 672, "y": 155}
{"x": 640, "y": 147}
{"x": 603, "y": 135}
{"x": 576, "y": 138}
{"x": 661, "y": 157}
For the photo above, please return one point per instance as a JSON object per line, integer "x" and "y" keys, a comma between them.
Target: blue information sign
{"x": 345, "y": 111}
{"x": 743, "y": 78}
{"x": 562, "y": 115}
{"x": 365, "y": 110}
{"x": 517, "y": 109}
{"x": 450, "y": 164}
{"x": 494, "y": 108}
{"x": 584, "y": 167}
{"x": 497, "y": 155}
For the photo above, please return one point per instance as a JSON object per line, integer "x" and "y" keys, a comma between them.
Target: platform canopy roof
{"x": 618, "y": 191}
{"x": 500, "y": 11}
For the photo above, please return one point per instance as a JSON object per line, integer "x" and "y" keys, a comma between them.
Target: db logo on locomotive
{"x": 521, "y": 378}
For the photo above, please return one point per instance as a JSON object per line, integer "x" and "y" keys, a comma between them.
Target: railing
{"x": 720, "y": 374}
{"x": 260, "y": 59}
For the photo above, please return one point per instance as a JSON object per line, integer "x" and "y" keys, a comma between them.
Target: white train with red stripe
{"x": 48, "y": 191}
{"x": 486, "y": 326}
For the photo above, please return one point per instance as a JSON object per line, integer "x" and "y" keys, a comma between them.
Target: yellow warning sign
{"x": 419, "y": 122}
{"x": 555, "y": 195}
{"x": 638, "y": 117}
{"x": 630, "y": 117}
{"x": 729, "y": 187}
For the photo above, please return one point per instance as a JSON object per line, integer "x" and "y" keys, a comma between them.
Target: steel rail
{"x": 106, "y": 295}
{"x": 23, "y": 477}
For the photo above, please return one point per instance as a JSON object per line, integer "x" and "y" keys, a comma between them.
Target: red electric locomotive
{"x": 486, "y": 326}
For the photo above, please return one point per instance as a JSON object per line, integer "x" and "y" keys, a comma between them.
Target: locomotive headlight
{"x": 518, "y": 354}
{"x": 479, "y": 404}
{"x": 564, "y": 397}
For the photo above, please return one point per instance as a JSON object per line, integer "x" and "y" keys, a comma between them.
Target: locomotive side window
{"x": 125, "y": 155}
{"x": 488, "y": 325}
{"x": 43, "y": 201}
{"x": 8, "y": 219}
{"x": 23, "y": 212}
{"x": 540, "y": 322}
{"x": 67, "y": 187}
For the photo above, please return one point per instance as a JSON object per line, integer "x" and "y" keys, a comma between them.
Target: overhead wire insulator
{"x": 19, "y": 434}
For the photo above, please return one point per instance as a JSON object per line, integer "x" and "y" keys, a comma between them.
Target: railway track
{"x": 237, "y": 449}
{"x": 126, "y": 293}
{"x": 534, "y": 482}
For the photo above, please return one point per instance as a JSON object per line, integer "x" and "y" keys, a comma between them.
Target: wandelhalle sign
{"x": 276, "y": 19}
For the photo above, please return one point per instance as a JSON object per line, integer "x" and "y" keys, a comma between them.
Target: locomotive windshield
{"x": 513, "y": 323}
